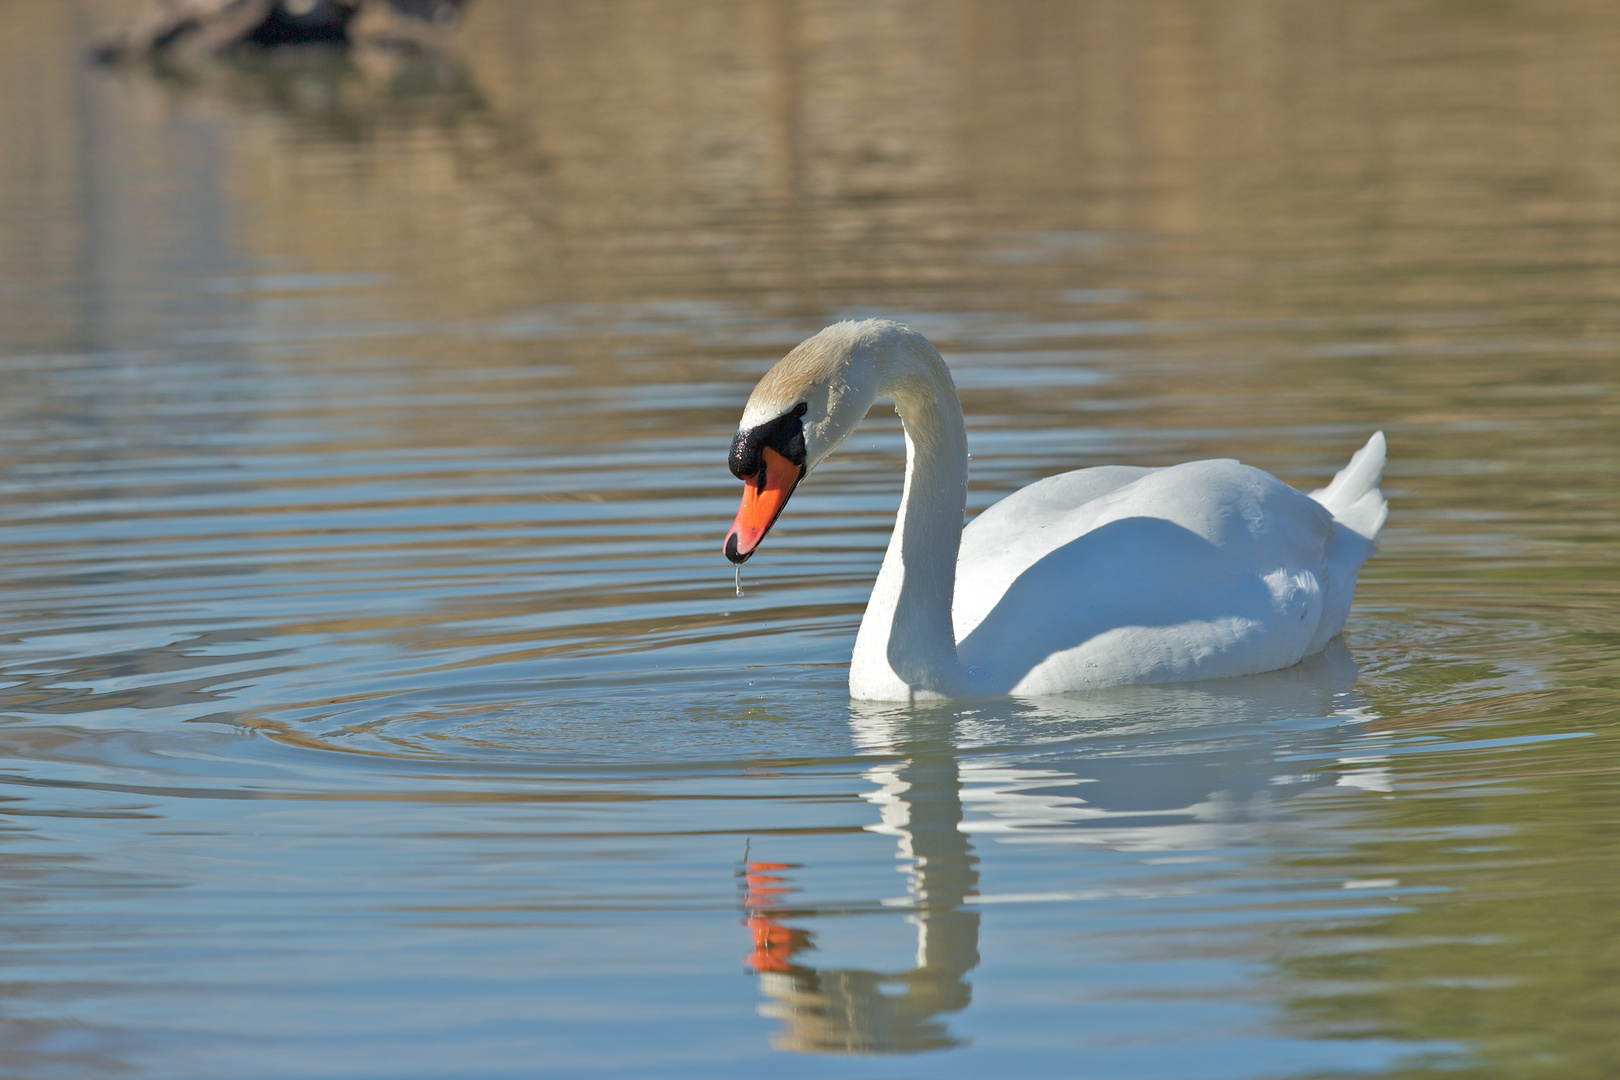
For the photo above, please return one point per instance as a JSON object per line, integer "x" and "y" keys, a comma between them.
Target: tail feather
{"x": 1353, "y": 497}
{"x": 1358, "y": 510}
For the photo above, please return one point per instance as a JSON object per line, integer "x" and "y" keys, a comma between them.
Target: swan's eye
{"x": 785, "y": 435}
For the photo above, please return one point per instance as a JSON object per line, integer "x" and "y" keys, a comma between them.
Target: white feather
{"x": 1086, "y": 579}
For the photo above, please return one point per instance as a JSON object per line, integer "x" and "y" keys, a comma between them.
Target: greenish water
{"x": 374, "y": 700}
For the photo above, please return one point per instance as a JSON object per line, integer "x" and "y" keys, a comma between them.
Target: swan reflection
{"x": 1167, "y": 772}
{"x": 854, "y": 1010}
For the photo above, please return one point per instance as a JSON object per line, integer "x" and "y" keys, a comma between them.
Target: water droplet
{"x": 738, "y": 568}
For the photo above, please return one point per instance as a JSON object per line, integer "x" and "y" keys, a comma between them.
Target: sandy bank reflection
{"x": 1146, "y": 769}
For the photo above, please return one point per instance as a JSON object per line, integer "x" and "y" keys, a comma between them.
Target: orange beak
{"x": 764, "y": 495}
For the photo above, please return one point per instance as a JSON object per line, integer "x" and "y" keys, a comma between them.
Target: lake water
{"x": 374, "y": 699}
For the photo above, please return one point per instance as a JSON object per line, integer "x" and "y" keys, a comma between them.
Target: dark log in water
{"x": 215, "y": 25}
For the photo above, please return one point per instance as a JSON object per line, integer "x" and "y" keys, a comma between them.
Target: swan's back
{"x": 1120, "y": 574}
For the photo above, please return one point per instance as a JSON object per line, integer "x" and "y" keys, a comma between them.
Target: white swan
{"x": 1086, "y": 579}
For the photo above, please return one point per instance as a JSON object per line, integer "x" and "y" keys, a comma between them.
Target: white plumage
{"x": 1090, "y": 578}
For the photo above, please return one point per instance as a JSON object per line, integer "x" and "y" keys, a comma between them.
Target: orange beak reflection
{"x": 764, "y": 495}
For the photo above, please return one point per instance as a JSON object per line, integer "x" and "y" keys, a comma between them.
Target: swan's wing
{"x": 1201, "y": 570}
{"x": 1012, "y": 534}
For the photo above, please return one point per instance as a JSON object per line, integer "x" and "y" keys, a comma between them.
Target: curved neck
{"x": 906, "y": 647}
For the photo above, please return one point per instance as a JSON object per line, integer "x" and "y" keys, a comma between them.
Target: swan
{"x": 1091, "y": 578}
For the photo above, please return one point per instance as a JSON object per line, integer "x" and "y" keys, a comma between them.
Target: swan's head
{"x": 798, "y": 414}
